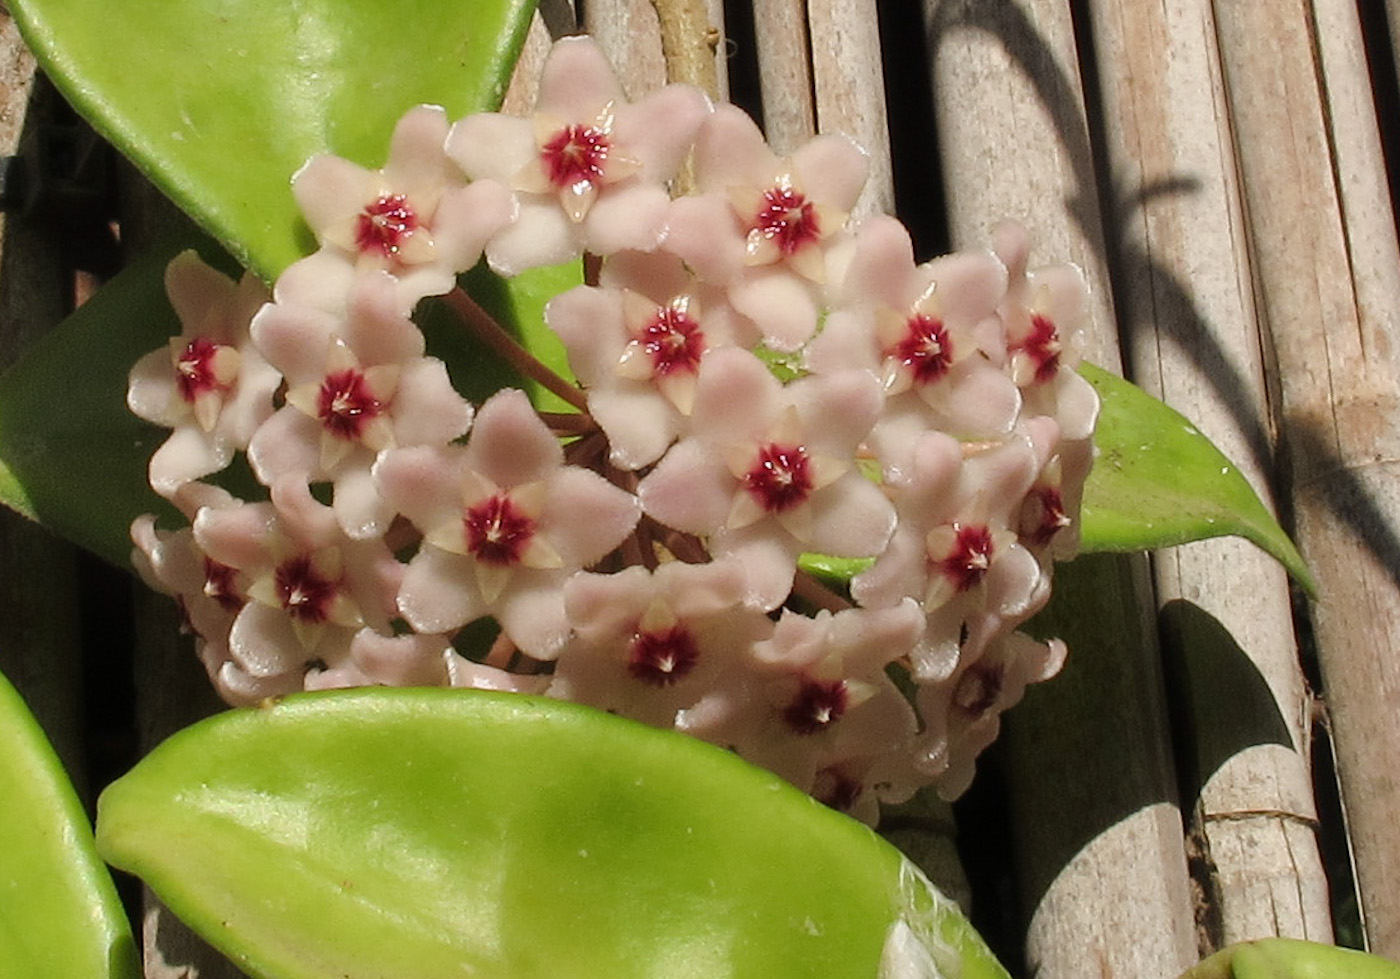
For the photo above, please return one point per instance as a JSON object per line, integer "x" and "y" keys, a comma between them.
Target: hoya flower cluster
{"x": 759, "y": 379}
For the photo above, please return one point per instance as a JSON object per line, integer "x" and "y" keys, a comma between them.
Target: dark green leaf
{"x": 1158, "y": 482}
{"x": 71, "y": 455}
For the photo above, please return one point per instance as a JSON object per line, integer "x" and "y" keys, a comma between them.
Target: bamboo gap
{"x": 1323, "y": 243}
{"x": 1095, "y": 821}
{"x": 1186, "y": 303}
{"x": 40, "y": 645}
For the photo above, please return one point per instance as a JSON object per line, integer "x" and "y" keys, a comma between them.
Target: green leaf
{"x": 71, "y": 455}
{"x": 219, "y": 102}
{"x": 517, "y": 304}
{"x": 448, "y": 832}
{"x": 1158, "y": 481}
{"x": 1291, "y": 958}
{"x": 59, "y": 913}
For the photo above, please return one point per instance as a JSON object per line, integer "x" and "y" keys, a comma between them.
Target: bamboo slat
{"x": 1099, "y": 834}
{"x": 1186, "y": 303}
{"x": 40, "y": 650}
{"x": 627, "y": 31}
{"x": 785, "y": 73}
{"x": 1323, "y": 244}
{"x": 849, "y": 88}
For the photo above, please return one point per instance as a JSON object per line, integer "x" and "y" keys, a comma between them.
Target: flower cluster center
{"x": 971, "y": 556}
{"x": 817, "y": 705}
{"x": 674, "y": 342}
{"x": 1043, "y": 347}
{"x": 345, "y": 405}
{"x": 305, "y": 594}
{"x": 384, "y": 226}
{"x": 781, "y": 477}
{"x": 497, "y": 531}
{"x": 926, "y": 349}
{"x": 576, "y": 155}
{"x": 662, "y": 658}
{"x": 788, "y": 219}
{"x": 194, "y": 369}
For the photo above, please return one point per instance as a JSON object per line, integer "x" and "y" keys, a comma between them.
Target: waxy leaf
{"x": 1291, "y": 958}
{"x": 1158, "y": 481}
{"x": 71, "y": 455}
{"x": 424, "y": 833}
{"x": 59, "y": 913}
{"x": 219, "y": 102}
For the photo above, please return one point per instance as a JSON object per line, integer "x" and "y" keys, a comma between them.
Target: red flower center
{"x": 673, "y": 341}
{"x": 383, "y": 227}
{"x": 662, "y": 658}
{"x": 926, "y": 349}
{"x": 787, "y": 218}
{"x": 1043, "y": 516}
{"x": 836, "y": 789}
{"x": 305, "y": 595}
{"x": 219, "y": 585}
{"x": 970, "y": 557}
{"x": 194, "y": 370}
{"x": 781, "y": 478}
{"x": 1042, "y": 345}
{"x": 576, "y": 155}
{"x": 978, "y": 690}
{"x": 345, "y": 404}
{"x": 817, "y": 706}
{"x": 497, "y": 532}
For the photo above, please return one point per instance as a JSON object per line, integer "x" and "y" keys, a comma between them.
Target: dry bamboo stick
{"x": 1328, "y": 266}
{"x": 785, "y": 73}
{"x": 1098, "y": 829}
{"x": 629, "y": 33}
{"x": 1186, "y": 302}
{"x": 849, "y": 88}
{"x": 39, "y": 644}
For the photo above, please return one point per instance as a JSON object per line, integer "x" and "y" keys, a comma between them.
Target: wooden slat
{"x": 1186, "y": 302}
{"x": 1100, "y": 838}
{"x": 785, "y": 73}
{"x": 849, "y": 87}
{"x": 628, "y": 33}
{"x": 1323, "y": 245}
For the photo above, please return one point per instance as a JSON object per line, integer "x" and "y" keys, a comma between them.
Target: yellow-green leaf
{"x": 433, "y": 833}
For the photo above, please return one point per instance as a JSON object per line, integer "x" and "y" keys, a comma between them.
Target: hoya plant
{"x": 714, "y": 515}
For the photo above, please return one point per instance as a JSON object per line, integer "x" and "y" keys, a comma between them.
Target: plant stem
{"x": 494, "y": 336}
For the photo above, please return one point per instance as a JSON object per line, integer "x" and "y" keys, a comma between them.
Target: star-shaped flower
{"x": 818, "y": 693}
{"x": 209, "y": 384}
{"x": 357, "y": 384}
{"x": 956, "y": 549}
{"x": 762, "y": 226}
{"x": 414, "y": 218}
{"x": 636, "y": 345}
{"x": 1044, "y": 310}
{"x": 962, "y": 713}
{"x": 648, "y": 644}
{"x": 504, "y": 524}
{"x": 588, "y": 168}
{"x": 310, "y": 588}
{"x": 768, "y": 472}
{"x": 930, "y": 332}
